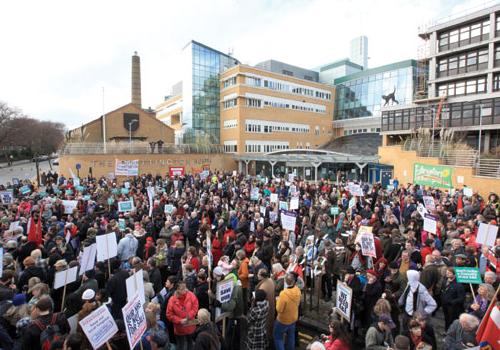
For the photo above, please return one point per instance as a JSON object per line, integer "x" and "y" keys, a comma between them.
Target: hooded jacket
{"x": 287, "y": 305}
{"x": 424, "y": 301}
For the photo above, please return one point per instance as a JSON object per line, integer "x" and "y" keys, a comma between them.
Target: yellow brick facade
{"x": 233, "y": 119}
{"x": 170, "y": 112}
{"x": 150, "y": 129}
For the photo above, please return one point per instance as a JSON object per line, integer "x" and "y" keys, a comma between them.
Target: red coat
{"x": 216, "y": 250}
{"x": 179, "y": 308}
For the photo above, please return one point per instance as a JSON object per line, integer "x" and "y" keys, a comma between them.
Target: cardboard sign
{"x": 65, "y": 277}
{"x": 334, "y": 211}
{"x": 125, "y": 206}
{"x": 294, "y": 203}
{"x": 274, "y": 198}
{"x": 487, "y": 234}
{"x": 88, "y": 258}
{"x": 468, "y": 275}
{"x": 343, "y": 300}
{"x": 430, "y": 223}
{"x": 368, "y": 244}
{"x": 288, "y": 220}
{"x": 135, "y": 320}
{"x": 99, "y": 326}
{"x": 429, "y": 203}
{"x": 127, "y": 168}
{"x": 224, "y": 291}
{"x": 176, "y": 171}
{"x": 107, "y": 247}
{"x": 69, "y": 206}
{"x": 135, "y": 285}
{"x": 6, "y": 197}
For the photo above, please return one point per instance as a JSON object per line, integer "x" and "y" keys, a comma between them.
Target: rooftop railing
{"x": 138, "y": 148}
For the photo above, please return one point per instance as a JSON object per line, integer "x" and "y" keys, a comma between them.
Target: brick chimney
{"x": 136, "y": 80}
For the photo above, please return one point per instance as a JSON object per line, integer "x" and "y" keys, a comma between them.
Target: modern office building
{"x": 361, "y": 96}
{"x": 262, "y": 111}
{"x": 331, "y": 71}
{"x": 288, "y": 69}
{"x": 463, "y": 85}
{"x": 195, "y": 113}
{"x": 359, "y": 51}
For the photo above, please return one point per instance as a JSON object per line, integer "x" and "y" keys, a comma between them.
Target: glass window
{"x": 454, "y": 36}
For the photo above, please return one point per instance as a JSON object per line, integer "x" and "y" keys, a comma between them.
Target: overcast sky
{"x": 57, "y": 56}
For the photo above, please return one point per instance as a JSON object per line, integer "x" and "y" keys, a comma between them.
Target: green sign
{"x": 432, "y": 175}
{"x": 468, "y": 275}
{"x": 121, "y": 224}
{"x": 334, "y": 211}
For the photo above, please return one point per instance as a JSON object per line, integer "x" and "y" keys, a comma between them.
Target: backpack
{"x": 50, "y": 333}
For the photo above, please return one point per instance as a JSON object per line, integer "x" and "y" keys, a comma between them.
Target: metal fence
{"x": 139, "y": 148}
{"x": 488, "y": 168}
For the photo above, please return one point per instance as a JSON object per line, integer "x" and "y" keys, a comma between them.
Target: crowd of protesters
{"x": 195, "y": 233}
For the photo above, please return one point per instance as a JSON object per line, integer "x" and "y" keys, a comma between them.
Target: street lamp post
{"x": 130, "y": 134}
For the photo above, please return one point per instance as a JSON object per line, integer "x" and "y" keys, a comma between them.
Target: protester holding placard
{"x": 452, "y": 297}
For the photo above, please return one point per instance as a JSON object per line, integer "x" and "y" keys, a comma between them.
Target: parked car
{"x": 55, "y": 161}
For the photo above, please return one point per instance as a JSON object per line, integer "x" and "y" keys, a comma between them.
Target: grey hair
{"x": 472, "y": 321}
{"x": 317, "y": 346}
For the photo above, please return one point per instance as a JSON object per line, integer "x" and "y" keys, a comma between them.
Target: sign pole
{"x": 472, "y": 290}
{"x": 107, "y": 255}
{"x": 64, "y": 290}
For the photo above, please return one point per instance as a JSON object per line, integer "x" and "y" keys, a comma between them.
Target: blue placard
{"x": 115, "y": 191}
{"x": 111, "y": 200}
{"x": 69, "y": 192}
{"x": 125, "y": 190}
{"x": 86, "y": 197}
{"x": 80, "y": 188}
{"x": 25, "y": 190}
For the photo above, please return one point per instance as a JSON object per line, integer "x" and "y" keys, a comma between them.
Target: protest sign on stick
{"x": 63, "y": 278}
{"x": 135, "y": 320}
{"x": 487, "y": 234}
{"x": 343, "y": 300}
{"x": 88, "y": 258}
{"x": 135, "y": 285}
{"x": 107, "y": 248}
{"x": 99, "y": 327}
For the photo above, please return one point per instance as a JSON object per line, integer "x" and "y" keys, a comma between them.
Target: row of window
{"x": 229, "y": 124}
{"x": 230, "y": 148}
{"x": 465, "y": 35}
{"x": 266, "y": 148}
{"x": 230, "y": 103}
{"x": 465, "y": 87}
{"x": 463, "y": 63}
{"x": 360, "y": 131}
{"x": 229, "y": 82}
{"x": 283, "y": 127}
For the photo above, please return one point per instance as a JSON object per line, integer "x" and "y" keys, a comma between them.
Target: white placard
{"x": 460, "y": 180}
{"x": 135, "y": 320}
{"x": 429, "y": 203}
{"x": 99, "y": 327}
{"x": 291, "y": 177}
{"x": 224, "y": 291}
{"x": 487, "y": 234}
{"x": 367, "y": 244}
{"x": 430, "y": 223}
{"x": 135, "y": 284}
{"x": 69, "y": 206}
{"x": 283, "y": 205}
{"x": 421, "y": 210}
{"x": 288, "y": 220}
{"x": 343, "y": 300}
{"x": 88, "y": 258}
{"x": 468, "y": 191}
{"x": 125, "y": 206}
{"x": 65, "y": 277}
{"x": 294, "y": 203}
{"x": 274, "y": 198}
{"x": 169, "y": 208}
{"x": 126, "y": 184}
{"x": 107, "y": 247}
{"x": 262, "y": 210}
{"x": 127, "y": 167}
{"x": 356, "y": 190}
{"x": 13, "y": 225}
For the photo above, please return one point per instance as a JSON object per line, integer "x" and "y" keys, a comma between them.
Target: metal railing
{"x": 450, "y": 155}
{"x": 139, "y": 148}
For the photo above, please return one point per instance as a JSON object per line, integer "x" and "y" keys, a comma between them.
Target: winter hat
{"x": 19, "y": 299}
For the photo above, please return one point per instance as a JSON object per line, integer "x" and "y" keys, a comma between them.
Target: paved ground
{"x": 21, "y": 170}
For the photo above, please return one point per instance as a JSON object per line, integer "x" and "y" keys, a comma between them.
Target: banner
{"x": 88, "y": 258}
{"x": 468, "y": 275}
{"x": 288, "y": 220}
{"x": 487, "y": 234}
{"x": 107, "y": 247}
{"x": 135, "y": 320}
{"x": 432, "y": 175}
{"x": 127, "y": 168}
{"x": 343, "y": 300}
{"x": 176, "y": 171}
{"x": 99, "y": 326}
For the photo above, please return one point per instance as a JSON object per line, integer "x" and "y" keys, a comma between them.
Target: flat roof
{"x": 309, "y": 155}
{"x": 342, "y": 62}
{"x": 377, "y": 70}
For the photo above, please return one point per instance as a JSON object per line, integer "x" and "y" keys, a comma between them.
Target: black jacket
{"x": 6, "y": 293}
{"x": 31, "y": 271}
{"x": 453, "y": 294}
{"x": 31, "y": 337}
{"x": 201, "y": 293}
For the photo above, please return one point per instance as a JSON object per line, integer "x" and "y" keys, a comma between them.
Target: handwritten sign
{"x": 294, "y": 203}
{"x": 135, "y": 320}
{"x": 343, "y": 300}
{"x": 99, "y": 326}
